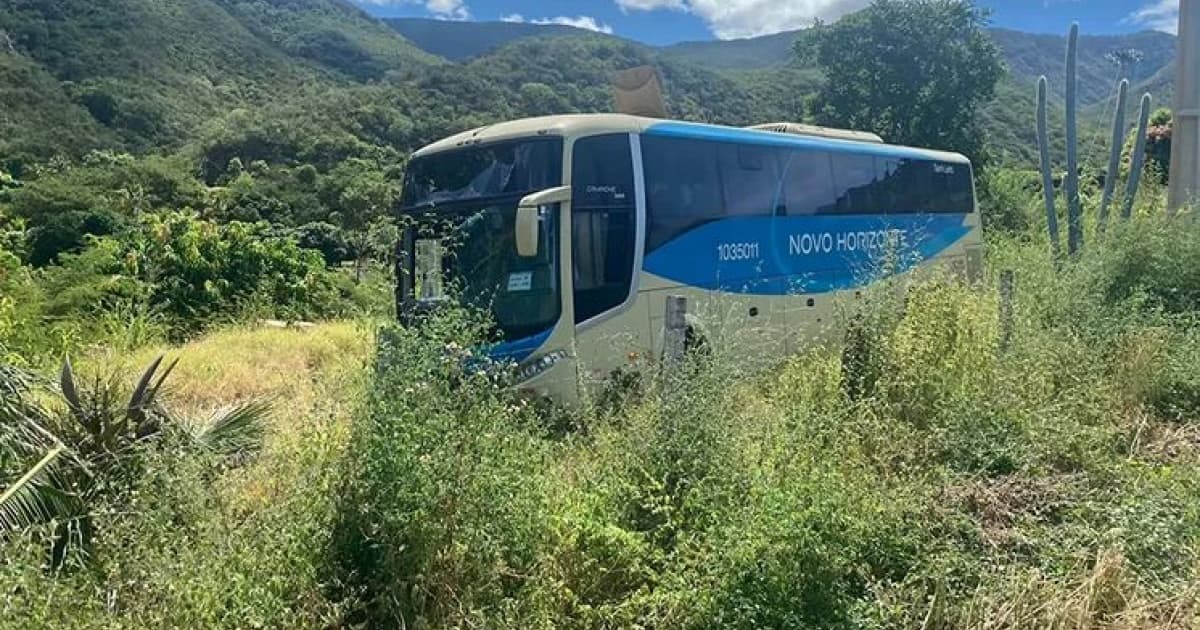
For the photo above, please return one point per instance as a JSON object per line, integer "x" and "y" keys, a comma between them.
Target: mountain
{"x": 764, "y": 68}
{"x": 1029, "y": 56}
{"x": 150, "y": 73}
{"x": 754, "y": 53}
{"x": 460, "y": 41}
{"x": 152, "y": 76}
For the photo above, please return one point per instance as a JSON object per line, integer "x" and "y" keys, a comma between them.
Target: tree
{"x": 913, "y": 71}
{"x": 361, "y": 194}
{"x": 539, "y": 99}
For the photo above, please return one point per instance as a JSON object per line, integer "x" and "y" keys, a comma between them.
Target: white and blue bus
{"x": 573, "y": 230}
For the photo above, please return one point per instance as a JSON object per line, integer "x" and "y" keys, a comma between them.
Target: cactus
{"x": 1043, "y": 137}
{"x": 1138, "y": 161}
{"x": 1074, "y": 212}
{"x": 1114, "y": 158}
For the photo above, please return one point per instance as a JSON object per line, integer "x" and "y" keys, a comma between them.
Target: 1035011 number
{"x": 737, "y": 251}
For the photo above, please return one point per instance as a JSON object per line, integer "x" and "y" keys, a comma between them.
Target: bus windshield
{"x": 462, "y": 207}
{"x": 503, "y": 168}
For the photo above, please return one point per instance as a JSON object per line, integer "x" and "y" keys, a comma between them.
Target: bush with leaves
{"x": 421, "y": 531}
{"x": 101, "y": 196}
{"x": 196, "y": 272}
{"x": 20, "y": 304}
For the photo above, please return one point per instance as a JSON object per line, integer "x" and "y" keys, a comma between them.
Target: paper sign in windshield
{"x": 520, "y": 281}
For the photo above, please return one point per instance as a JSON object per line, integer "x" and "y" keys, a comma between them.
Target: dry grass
{"x": 234, "y": 365}
{"x": 1105, "y": 596}
{"x": 311, "y": 375}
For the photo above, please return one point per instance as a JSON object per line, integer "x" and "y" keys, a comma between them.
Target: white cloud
{"x": 732, "y": 19}
{"x": 1160, "y": 15}
{"x": 583, "y": 21}
{"x": 651, "y": 5}
{"x": 445, "y": 9}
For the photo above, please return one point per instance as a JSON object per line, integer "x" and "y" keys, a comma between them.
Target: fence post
{"x": 1006, "y": 309}
{"x": 674, "y": 335}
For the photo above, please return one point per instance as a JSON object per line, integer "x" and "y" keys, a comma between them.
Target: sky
{"x": 668, "y": 21}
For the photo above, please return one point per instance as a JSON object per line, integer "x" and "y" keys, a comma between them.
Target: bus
{"x": 573, "y": 230}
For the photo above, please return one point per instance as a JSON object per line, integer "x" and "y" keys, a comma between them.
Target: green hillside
{"x": 1030, "y": 56}
{"x": 576, "y": 72}
{"x": 151, "y": 72}
{"x": 460, "y": 41}
{"x": 768, "y": 51}
{"x": 40, "y": 119}
{"x": 1027, "y": 55}
{"x": 332, "y": 33}
{"x": 773, "y": 87}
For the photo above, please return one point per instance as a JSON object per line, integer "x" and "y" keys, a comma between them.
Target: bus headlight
{"x": 539, "y": 365}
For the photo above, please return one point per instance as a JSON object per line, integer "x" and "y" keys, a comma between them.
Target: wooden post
{"x": 674, "y": 332}
{"x": 1006, "y": 309}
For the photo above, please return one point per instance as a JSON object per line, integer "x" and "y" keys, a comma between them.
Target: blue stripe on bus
{"x": 806, "y": 254}
{"x": 773, "y": 138}
{"x": 518, "y": 350}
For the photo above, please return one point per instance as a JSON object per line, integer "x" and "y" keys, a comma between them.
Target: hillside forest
{"x": 210, "y": 418}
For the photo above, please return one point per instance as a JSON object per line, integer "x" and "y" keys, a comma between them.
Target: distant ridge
{"x": 1028, "y": 55}
{"x": 148, "y": 75}
{"x": 460, "y": 41}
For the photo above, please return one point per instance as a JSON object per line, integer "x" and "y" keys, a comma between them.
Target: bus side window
{"x": 750, "y": 180}
{"x": 683, "y": 187}
{"x": 892, "y": 190}
{"x": 602, "y": 223}
{"x": 808, "y": 183}
{"x": 854, "y": 175}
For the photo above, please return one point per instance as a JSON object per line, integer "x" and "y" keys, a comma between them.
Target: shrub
{"x": 1009, "y": 200}
{"x": 424, "y": 529}
{"x": 196, "y": 273}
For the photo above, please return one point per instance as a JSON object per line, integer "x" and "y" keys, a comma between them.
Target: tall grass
{"x": 199, "y": 540}
{"x": 1047, "y": 486}
{"x": 1052, "y": 484}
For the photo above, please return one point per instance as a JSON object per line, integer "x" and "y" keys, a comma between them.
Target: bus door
{"x": 606, "y": 235}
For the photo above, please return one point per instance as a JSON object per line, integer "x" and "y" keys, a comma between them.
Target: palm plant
{"x": 83, "y": 454}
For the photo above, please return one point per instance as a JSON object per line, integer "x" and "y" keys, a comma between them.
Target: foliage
{"x": 93, "y": 450}
{"x": 959, "y": 483}
{"x": 957, "y": 477}
{"x": 20, "y": 301}
{"x": 1158, "y": 144}
{"x": 1008, "y": 200}
{"x": 169, "y": 274}
{"x": 198, "y": 271}
{"x": 198, "y": 538}
{"x": 162, "y": 195}
{"x": 914, "y": 72}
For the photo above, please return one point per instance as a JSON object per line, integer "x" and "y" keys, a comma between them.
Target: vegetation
{"x": 1048, "y": 484}
{"x": 916, "y": 73}
{"x": 175, "y": 176}
{"x": 191, "y": 535}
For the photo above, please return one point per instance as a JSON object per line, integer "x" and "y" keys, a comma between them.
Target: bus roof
{"x": 592, "y": 124}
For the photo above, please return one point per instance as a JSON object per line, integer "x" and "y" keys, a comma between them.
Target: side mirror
{"x": 527, "y": 231}
{"x": 527, "y": 217}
